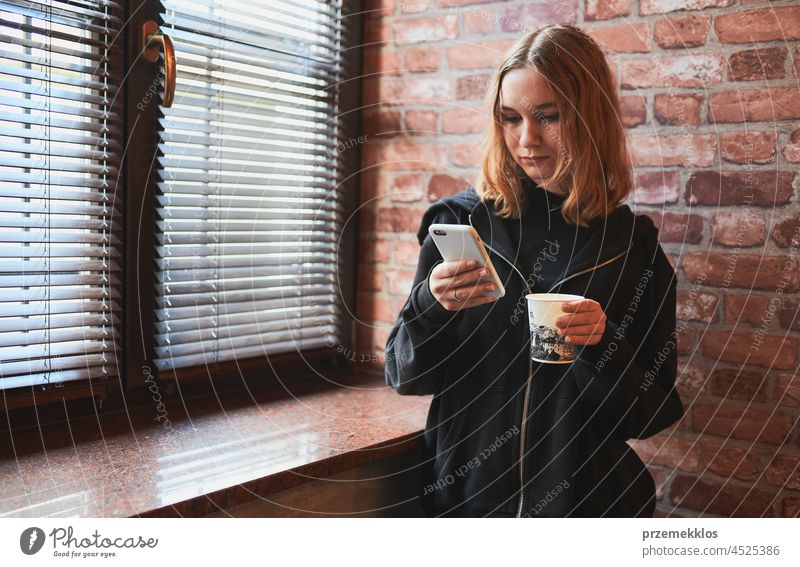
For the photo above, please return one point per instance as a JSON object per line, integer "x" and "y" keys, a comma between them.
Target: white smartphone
{"x": 458, "y": 242}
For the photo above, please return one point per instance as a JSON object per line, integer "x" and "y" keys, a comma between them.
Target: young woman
{"x": 506, "y": 435}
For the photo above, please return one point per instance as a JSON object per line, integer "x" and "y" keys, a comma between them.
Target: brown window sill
{"x": 207, "y": 454}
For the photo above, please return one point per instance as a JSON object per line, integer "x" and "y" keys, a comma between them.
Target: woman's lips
{"x": 535, "y": 159}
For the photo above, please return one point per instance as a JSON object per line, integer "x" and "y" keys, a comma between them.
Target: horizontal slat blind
{"x": 60, "y": 132}
{"x": 249, "y": 207}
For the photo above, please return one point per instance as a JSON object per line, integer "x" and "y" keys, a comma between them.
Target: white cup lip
{"x": 553, "y": 297}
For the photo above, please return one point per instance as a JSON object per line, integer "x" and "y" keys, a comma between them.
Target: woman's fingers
{"x": 449, "y": 275}
{"x": 583, "y": 329}
{"x": 585, "y": 339}
{"x": 468, "y": 281}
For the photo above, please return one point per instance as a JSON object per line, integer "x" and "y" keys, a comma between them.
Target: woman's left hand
{"x": 585, "y": 323}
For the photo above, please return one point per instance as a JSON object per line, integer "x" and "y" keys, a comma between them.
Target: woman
{"x": 508, "y": 436}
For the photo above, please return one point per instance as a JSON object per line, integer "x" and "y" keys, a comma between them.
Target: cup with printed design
{"x": 546, "y": 344}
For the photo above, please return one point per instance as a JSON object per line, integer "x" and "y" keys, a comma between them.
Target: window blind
{"x": 60, "y": 126}
{"x": 249, "y": 206}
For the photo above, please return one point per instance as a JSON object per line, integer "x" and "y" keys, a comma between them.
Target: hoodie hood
{"x": 615, "y": 233}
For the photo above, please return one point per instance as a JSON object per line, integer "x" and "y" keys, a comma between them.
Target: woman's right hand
{"x": 463, "y": 279}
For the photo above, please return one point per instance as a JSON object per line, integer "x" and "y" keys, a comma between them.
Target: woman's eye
{"x": 551, "y": 118}
{"x": 510, "y": 118}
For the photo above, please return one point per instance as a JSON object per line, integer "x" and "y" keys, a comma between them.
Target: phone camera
{"x": 439, "y": 232}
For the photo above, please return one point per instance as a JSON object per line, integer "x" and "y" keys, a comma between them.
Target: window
{"x": 248, "y": 209}
{"x": 60, "y": 142}
{"x": 209, "y": 232}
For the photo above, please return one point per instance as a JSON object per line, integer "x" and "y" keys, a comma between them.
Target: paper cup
{"x": 546, "y": 344}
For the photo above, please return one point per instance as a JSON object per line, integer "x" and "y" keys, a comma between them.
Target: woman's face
{"x": 530, "y": 122}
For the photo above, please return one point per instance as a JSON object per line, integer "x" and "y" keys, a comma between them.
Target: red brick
{"x": 789, "y": 314}
{"x": 398, "y": 219}
{"x": 787, "y": 390}
{"x": 746, "y": 348}
{"x": 663, "y": 6}
{"x": 379, "y": 8}
{"x": 373, "y": 307}
{"x": 472, "y": 87}
{"x": 465, "y": 121}
{"x": 623, "y": 38}
{"x": 697, "y": 306}
{"x": 786, "y": 233}
{"x": 405, "y": 155}
{"x": 421, "y": 122}
{"x": 678, "y": 227}
{"x": 765, "y": 24}
{"x": 760, "y": 272}
{"x": 741, "y": 310}
{"x": 406, "y": 90}
{"x": 379, "y": 60}
{"x": 479, "y": 22}
{"x": 734, "y": 228}
{"x": 422, "y": 59}
{"x": 417, "y": 6}
{"x": 371, "y": 91}
{"x": 468, "y": 154}
{"x": 365, "y": 338}
{"x": 682, "y": 32}
{"x": 381, "y": 122}
{"x": 452, "y": 3}
{"x": 697, "y": 70}
{"x": 670, "y": 452}
{"x": 727, "y": 421}
{"x": 691, "y": 381}
{"x": 687, "y": 337}
{"x": 731, "y": 461}
{"x": 791, "y": 151}
{"x": 400, "y": 281}
{"x": 376, "y": 33}
{"x": 754, "y": 105}
{"x": 748, "y": 147}
{"x": 757, "y": 64}
{"x": 721, "y": 498}
{"x": 657, "y": 187}
{"x": 660, "y": 479}
{"x": 405, "y": 252}
{"x": 373, "y": 250}
{"x": 430, "y": 28}
{"x": 797, "y": 61}
{"x": 408, "y": 188}
{"x": 372, "y": 186}
{"x": 606, "y": 9}
{"x": 478, "y": 55}
{"x": 737, "y": 384}
{"x": 634, "y": 110}
{"x": 370, "y": 279}
{"x": 663, "y": 150}
{"x": 784, "y": 471}
{"x": 678, "y": 109}
{"x": 367, "y": 219}
{"x": 443, "y": 185}
{"x": 527, "y": 16}
{"x": 762, "y": 188}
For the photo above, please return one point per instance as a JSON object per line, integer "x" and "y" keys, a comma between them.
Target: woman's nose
{"x": 530, "y": 136}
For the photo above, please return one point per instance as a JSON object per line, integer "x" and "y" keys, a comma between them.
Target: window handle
{"x": 149, "y": 37}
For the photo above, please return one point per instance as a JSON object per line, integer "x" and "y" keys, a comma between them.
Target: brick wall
{"x": 711, "y": 100}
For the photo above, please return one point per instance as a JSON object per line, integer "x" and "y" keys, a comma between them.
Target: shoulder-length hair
{"x": 594, "y": 162}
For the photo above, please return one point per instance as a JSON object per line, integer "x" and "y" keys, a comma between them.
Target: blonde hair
{"x": 594, "y": 163}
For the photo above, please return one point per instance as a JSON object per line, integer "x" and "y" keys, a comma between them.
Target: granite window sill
{"x": 206, "y": 455}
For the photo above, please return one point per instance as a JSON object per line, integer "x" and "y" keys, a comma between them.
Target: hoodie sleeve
{"x": 633, "y": 382}
{"x": 422, "y": 340}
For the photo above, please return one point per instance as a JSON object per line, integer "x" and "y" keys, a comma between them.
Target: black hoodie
{"x": 492, "y": 403}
